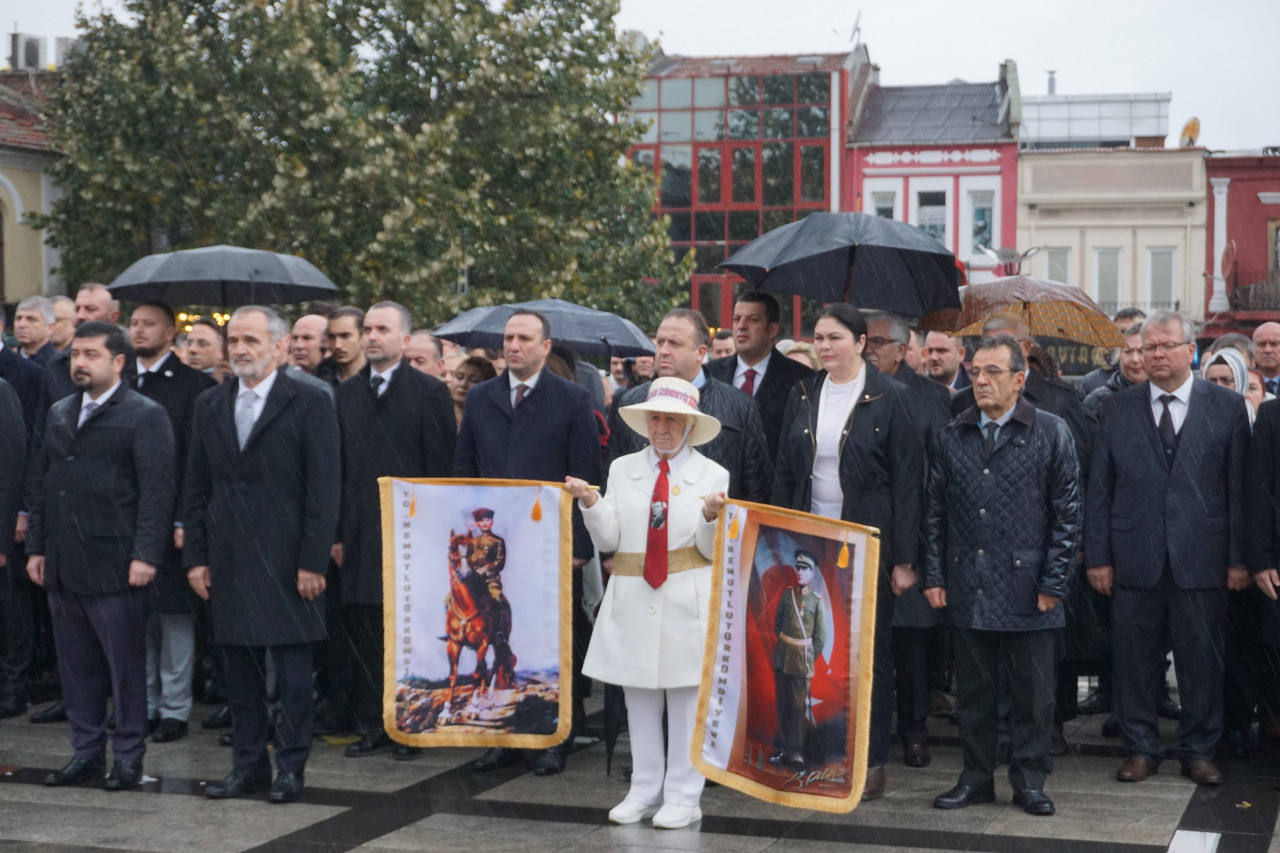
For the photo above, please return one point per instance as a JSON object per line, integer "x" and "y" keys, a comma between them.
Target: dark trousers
{"x": 791, "y": 701}
{"x": 1024, "y": 661}
{"x": 1192, "y": 620}
{"x": 882, "y": 678}
{"x": 246, "y": 671}
{"x": 102, "y": 652}
{"x": 1251, "y": 680}
{"x": 362, "y": 625}
{"x": 911, "y": 680}
{"x": 17, "y": 620}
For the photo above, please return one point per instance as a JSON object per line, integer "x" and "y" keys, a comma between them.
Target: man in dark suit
{"x": 741, "y": 447}
{"x": 944, "y": 361}
{"x": 260, "y": 507}
{"x": 13, "y": 464}
{"x": 395, "y": 422}
{"x": 31, "y": 321}
{"x": 94, "y": 303}
{"x": 171, "y": 627}
{"x": 1164, "y": 534}
{"x": 529, "y": 424}
{"x": 18, "y": 599}
{"x": 758, "y": 369}
{"x": 101, "y": 521}
{"x": 1262, "y": 508}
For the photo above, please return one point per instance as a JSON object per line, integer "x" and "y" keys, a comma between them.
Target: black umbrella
{"x": 227, "y": 276}
{"x": 586, "y": 330}
{"x": 865, "y": 260}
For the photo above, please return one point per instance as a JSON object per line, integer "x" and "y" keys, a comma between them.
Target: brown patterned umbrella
{"x": 1050, "y": 309}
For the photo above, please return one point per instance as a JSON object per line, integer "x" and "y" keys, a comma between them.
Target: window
{"x": 1106, "y": 278}
{"x": 780, "y": 89}
{"x": 776, "y": 218}
{"x": 744, "y": 91}
{"x": 813, "y": 177}
{"x": 983, "y": 214}
{"x": 744, "y": 124}
{"x": 744, "y": 225}
{"x": 648, "y": 121}
{"x": 882, "y": 204}
{"x": 648, "y": 98}
{"x": 677, "y": 176}
{"x": 710, "y": 227}
{"x": 813, "y": 88}
{"x": 777, "y": 124}
{"x": 778, "y": 174}
{"x": 677, "y": 93}
{"x": 1058, "y": 265}
{"x": 708, "y": 91}
{"x": 709, "y": 176}
{"x": 1160, "y": 277}
{"x": 708, "y": 125}
{"x": 812, "y": 122}
{"x": 677, "y": 126}
{"x": 744, "y": 175}
{"x": 933, "y": 215}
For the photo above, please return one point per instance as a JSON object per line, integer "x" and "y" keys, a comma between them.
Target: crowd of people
{"x": 194, "y": 515}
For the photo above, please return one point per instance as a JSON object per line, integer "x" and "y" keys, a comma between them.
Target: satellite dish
{"x": 1190, "y": 132}
{"x": 1008, "y": 256}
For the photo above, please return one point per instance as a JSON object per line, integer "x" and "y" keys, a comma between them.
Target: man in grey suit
{"x": 101, "y": 514}
{"x": 260, "y": 508}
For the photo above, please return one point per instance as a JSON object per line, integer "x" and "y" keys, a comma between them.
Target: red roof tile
{"x": 20, "y": 123}
{"x": 664, "y": 65}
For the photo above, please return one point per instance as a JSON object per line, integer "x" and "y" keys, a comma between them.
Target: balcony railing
{"x": 1255, "y": 291}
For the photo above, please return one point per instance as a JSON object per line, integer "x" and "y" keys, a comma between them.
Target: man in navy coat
{"x": 529, "y": 424}
{"x": 1164, "y": 535}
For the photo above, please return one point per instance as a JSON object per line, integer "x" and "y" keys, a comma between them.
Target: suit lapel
{"x": 1148, "y": 421}
{"x": 277, "y": 399}
{"x": 1194, "y": 425}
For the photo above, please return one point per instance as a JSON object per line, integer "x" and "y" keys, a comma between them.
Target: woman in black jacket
{"x": 849, "y": 449}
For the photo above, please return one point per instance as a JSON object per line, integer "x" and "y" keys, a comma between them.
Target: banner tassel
{"x": 843, "y": 560}
{"x": 733, "y": 527}
{"x": 536, "y": 515}
{"x": 413, "y": 501}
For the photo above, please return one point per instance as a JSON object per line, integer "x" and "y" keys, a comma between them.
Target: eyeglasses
{"x": 883, "y": 342}
{"x": 1167, "y": 348}
{"x": 990, "y": 370}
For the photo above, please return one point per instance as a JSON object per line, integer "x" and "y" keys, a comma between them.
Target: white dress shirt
{"x": 835, "y": 406}
{"x": 262, "y": 389}
{"x": 740, "y": 375}
{"x": 527, "y": 383}
{"x": 85, "y": 400}
{"x": 155, "y": 368}
{"x": 1177, "y": 407}
{"x": 386, "y": 376}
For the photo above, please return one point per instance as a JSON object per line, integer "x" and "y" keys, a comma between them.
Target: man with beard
{"x": 171, "y": 627}
{"x": 346, "y": 342}
{"x": 101, "y": 522}
{"x": 260, "y": 507}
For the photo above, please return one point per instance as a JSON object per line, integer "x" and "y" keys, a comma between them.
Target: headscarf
{"x": 1232, "y": 358}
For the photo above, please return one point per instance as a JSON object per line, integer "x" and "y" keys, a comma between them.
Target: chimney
{"x": 1053, "y": 85}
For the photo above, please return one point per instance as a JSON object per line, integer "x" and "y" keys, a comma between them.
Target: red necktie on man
{"x": 749, "y": 382}
{"x": 655, "y": 551}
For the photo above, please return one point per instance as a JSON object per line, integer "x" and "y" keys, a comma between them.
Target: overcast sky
{"x": 1218, "y": 59}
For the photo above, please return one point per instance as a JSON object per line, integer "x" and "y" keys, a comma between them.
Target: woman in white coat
{"x": 649, "y": 634}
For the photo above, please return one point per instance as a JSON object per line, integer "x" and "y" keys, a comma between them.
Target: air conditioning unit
{"x": 63, "y": 48}
{"x": 27, "y": 52}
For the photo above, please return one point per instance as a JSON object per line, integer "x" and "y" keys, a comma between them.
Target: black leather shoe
{"x": 370, "y": 744}
{"x": 494, "y": 758}
{"x": 55, "y": 713}
{"x": 286, "y": 788}
{"x": 963, "y": 796}
{"x": 240, "y": 781}
{"x": 170, "y": 730}
{"x": 124, "y": 775}
{"x": 915, "y": 752}
{"x": 551, "y": 761}
{"x": 1095, "y": 703}
{"x": 1033, "y": 802}
{"x": 12, "y": 706}
{"x": 219, "y": 719}
{"x": 400, "y": 752}
{"x": 75, "y": 771}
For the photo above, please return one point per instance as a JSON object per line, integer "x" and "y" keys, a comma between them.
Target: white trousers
{"x": 171, "y": 662}
{"x": 655, "y": 778}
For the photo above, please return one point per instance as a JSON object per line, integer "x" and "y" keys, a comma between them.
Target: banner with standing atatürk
{"x": 784, "y": 707}
{"x": 477, "y": 588}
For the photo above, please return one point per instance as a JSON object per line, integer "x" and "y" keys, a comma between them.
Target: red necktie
{"x": 520, "y": 389}
{"x": 749, "y": 382}
{"x": 655, "y": 551}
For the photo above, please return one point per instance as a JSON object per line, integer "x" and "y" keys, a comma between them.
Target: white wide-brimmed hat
{"x": 669, "y": 394}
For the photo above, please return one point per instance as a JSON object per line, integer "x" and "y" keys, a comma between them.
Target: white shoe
{"x": 630, "y": 811}
{"x": 671, "y": 816}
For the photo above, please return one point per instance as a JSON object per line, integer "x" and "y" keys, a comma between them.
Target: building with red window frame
{"x": 1242, "y": 257}
{"x": 741, "y": 145}
{"x": 944, "y": 158}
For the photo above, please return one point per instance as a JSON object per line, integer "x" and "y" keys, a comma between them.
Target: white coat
{"x": 646, "y": 637}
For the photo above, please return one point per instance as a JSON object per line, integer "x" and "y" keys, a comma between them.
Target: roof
{"x": 955, "y": 112}
{"x": 20, "y": 123}
{"x": 670, "y": 65}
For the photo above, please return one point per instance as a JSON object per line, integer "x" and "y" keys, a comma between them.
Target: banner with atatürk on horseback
{"x": 785, "y": 700}
{"x": 477, "y": 592}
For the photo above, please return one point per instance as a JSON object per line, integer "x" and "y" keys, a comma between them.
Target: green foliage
{"x": 394, "y": 144}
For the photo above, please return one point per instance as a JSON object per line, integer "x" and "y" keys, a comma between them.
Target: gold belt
{"x": 631, "y": 564}
{"x": 807, "y": 643}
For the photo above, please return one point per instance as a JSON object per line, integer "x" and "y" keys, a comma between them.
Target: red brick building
{"x": 1242, "y": 269}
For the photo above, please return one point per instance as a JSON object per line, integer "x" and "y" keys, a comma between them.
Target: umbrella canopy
{"x": 227, "y": 276}
{"x": 586, "y": 330}
{"x": 865, "y": 260}
{"x": 1050, "y": 309}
